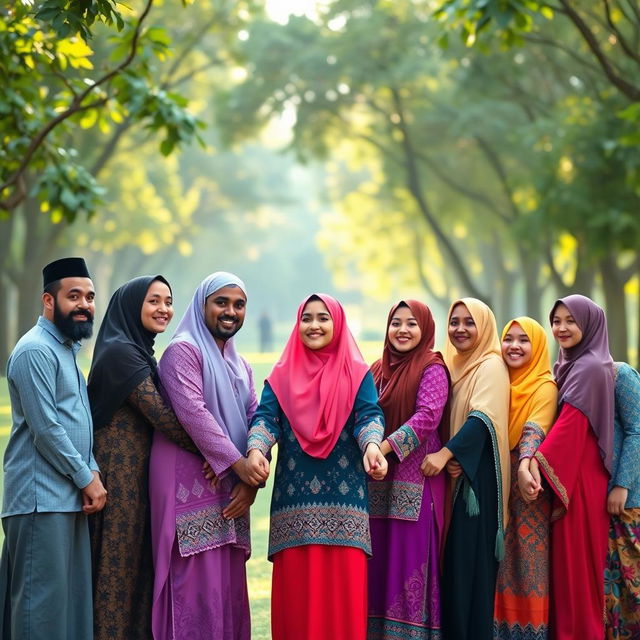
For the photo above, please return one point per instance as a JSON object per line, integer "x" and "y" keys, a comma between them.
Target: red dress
{"x": 308, "y": 602}
{"x": 571, "y": 462}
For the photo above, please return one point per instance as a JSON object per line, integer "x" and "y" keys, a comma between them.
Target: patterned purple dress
{"x": 407, "y": 514}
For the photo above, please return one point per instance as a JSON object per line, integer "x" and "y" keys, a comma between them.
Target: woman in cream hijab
{"x": 477, "y": 456}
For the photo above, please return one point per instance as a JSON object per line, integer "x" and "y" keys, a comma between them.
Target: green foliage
{"x": 53, "y": 80}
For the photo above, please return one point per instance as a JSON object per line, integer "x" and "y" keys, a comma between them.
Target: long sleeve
{"x": 627, "y": 393}
{"x": 369, "y": 419}
{"x": 561, "y": 452}
{"x": 266, "y": 427}
{"x": 146, "y": 399}
{"x": 33, "y": 375}
{"x": 253, "y": 398}
{"x": 181, "y": 376}
{"x": 430, "y": 402}
{"x": 467, "y": 445}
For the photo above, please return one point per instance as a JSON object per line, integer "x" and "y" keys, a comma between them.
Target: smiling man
{"x": 51, "y": 479}
{"x": 201, "y": 532}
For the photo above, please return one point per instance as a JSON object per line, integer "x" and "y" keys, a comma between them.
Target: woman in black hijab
{"x": 126, "y": 407}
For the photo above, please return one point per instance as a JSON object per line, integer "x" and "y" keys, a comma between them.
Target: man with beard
{"x": 200, "y": 532}
{"x": 51, "y": 480}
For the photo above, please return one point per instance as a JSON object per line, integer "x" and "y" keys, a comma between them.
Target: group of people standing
{"x": 468, "y": 495}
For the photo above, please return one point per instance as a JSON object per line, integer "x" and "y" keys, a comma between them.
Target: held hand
{"x": 242, "y": 497}
{"x": 454, "y": 468}
{"x": 534, "y": 469}
{"x": 616, "y": 500}
{"x": 529, "y": 488}
{"x": 210, "y": 474}
{"x": 375, "y": 464}
{"x": 248, "y": 475}
{"x": 258, "y": 463}
{"x": 434, "y": 463}
{"x": 94, "y": 495}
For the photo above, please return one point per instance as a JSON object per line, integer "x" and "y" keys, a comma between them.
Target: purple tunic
{"x": 199, "y": 557}
{"x": 407, "y": 514}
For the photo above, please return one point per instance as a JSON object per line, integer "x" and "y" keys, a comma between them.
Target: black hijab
{"x": 123, "y": 355}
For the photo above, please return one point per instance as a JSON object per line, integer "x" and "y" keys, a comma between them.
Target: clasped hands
{"x": 434, "y": 463}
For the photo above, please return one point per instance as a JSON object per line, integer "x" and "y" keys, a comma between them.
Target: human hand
{"x": 250, "y": 475}
{"x": 529, "y": 479}
{"x": 616, "y": 500}
{"x": 94, "y": 495}
{"x": 258, "y": 463}
{"x": 242, "y": 497}
{"x": 434, "y": 463}
{"x": 375, "y": 464}
{"x": 210, "y": 474}
{"x": 454, "y": 468}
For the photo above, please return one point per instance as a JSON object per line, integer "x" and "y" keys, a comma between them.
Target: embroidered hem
{"x": 396, "y": 499}
{"x": 385, "y": 629}
{"x": 559, "y": 488}
{"x": 404, "y": 441}
{"x": 330, "y": 524}
{"x": 206, "y": 528}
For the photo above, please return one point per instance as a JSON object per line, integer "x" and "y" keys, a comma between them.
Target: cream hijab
{"x": 480, "y": 383}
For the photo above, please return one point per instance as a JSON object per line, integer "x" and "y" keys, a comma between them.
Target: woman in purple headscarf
{"x": 201, "y": 532}
{"x": 575, "y": 459}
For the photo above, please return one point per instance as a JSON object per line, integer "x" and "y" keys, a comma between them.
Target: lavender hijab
{"x": 584, "y": 373}
{"x": 225, "y": 378}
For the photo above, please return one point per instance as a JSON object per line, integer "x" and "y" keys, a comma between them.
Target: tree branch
{"x": 630, "y": 91}
{"x": 415, "y": 188}
{"x": 75, "y": 107}
{"x": 496, "y": 164}
{"x": 618, "y": 34}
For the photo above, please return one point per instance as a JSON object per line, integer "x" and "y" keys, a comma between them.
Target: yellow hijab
{"x": 480, "y": 382}
{"x": 534, "y": 395}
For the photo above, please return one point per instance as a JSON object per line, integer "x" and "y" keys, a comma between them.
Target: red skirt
{"x": 319, "y": 592}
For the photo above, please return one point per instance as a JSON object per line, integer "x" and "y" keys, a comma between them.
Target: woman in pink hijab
{"x": 320, "y": 405}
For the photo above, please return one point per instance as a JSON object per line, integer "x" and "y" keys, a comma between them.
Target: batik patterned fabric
{"x": 622, "y": 577}
{"x": 522, "y": 589}
{"x": 316, "y": 500}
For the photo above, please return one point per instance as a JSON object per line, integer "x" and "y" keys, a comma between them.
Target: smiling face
{"x": 462, "y": 329}
{"x": 224, "y": 312}
{"x": 316, "y": 325}
{"x": 157, "y": 308}
{"x": 564, "y": 327}
{"x": 404, "y": 332}
{"x": 71, "y": 307}
{"x": 516, "y": 347}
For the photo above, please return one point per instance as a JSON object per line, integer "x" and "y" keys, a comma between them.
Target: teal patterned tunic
{"x": 319, "y": 501}
{"x": 625, "y": 468}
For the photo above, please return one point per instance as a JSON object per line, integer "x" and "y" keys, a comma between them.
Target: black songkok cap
{"x": 64, "y": 268}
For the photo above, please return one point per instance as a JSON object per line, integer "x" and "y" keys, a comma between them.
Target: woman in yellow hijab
{"x": 522, "y": 590}
{"x": 477, "y": 454}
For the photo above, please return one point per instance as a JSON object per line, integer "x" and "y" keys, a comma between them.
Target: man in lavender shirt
{"x": 201, "y": 530}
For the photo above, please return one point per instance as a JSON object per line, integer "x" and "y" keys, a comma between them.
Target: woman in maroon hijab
{"x": 575, "y": 458}
{"x": 407, "y": 509}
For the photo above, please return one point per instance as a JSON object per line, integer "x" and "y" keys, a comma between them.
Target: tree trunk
{"x": 616, "y": 306}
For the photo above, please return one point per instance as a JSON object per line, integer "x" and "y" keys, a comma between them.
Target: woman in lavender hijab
{"x": 201, "y": 532}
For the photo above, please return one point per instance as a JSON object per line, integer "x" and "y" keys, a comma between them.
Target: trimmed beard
{"x": 69, "y": 328}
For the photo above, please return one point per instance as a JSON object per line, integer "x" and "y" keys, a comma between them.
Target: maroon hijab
{"x": 397, "y": 374}
{"x": 584, "y": 373}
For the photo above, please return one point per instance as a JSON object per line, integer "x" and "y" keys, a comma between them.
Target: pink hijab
{"x": 317, "y": 389}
